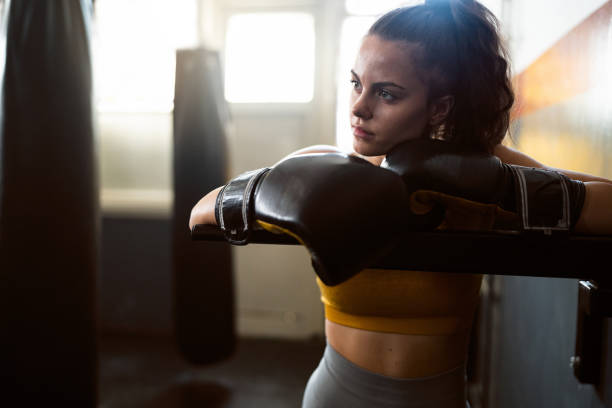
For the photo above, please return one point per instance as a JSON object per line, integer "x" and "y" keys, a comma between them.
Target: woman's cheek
{"x": 414, "y": 125}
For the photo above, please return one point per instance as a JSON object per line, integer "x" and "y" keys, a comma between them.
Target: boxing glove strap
{"x": 543, "y": 199}
{"x": 234, "y": 206}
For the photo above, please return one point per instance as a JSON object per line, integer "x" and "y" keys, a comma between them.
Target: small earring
{"x": 438, "y": 132}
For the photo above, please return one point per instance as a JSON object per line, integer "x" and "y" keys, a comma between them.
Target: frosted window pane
{"x": 494, "y": 6}
{"x": 269, "y": 57}
{"x": 373, "y": 8}
{"x": 134, "y": 51}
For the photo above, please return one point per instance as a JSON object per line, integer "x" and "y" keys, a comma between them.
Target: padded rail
{"x": 497, "y": 253}
{"x": 505, "y": 253}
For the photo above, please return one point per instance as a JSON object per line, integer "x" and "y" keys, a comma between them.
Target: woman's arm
{"x": 512, "y": 156}
{"x": 595, "y": 218}
{"x": 204, "y": 211}
{"x": 596, "y": 214}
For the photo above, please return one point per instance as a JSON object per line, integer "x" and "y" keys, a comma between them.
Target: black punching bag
{"x": 203, "y": 280}
{"x": 48, "y": 207}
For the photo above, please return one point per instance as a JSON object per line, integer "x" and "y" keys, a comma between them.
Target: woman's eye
{"x": 355, "y": 83}
{"x": 386, "y": 95}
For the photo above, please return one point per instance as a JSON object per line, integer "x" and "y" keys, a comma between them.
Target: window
{"x": 269, "y": 58}
{"x": 372, "y": 8}
{"x": 134, "y": 52}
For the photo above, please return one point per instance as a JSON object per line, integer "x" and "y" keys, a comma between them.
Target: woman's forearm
{"x": 576, "y": 175}
{"x": 596, "y": 215}
{"x": 204, "y": 211}
{"x": 513, "y": 156}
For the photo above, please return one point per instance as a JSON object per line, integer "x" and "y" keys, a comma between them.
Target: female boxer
{"x": 399, "y": 338}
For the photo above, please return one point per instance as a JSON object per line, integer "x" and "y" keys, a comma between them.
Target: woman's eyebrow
{"x": 380, "y": 84}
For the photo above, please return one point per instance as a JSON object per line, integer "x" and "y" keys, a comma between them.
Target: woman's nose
{"x": 360, "y": 107}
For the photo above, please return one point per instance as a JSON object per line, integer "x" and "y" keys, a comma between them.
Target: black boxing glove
{"x": 545, "y": 200}
{"x": 346, "y": 211}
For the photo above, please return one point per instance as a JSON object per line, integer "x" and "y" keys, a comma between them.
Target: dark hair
{"x": 460, "y": 54}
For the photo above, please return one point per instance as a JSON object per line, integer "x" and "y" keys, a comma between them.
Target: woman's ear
{"x": 439, "y": 109}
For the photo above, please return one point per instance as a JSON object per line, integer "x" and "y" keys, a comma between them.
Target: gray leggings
{"x": 337, "y": 382}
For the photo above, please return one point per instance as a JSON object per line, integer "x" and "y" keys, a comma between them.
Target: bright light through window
{"x": 134, "y": 51}
{"x": 373, "y": 8}
{"x": 269, "y": 57}
{"x": 494, "y": 6}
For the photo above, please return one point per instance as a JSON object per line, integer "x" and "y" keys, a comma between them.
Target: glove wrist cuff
{"x": 234, "y": 206}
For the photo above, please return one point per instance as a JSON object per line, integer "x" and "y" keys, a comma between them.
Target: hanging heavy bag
{"x": 48, "y": 206}
{"x": 203, "y": 282}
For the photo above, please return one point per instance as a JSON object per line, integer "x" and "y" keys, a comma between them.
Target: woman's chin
{"x": 365, "y": 149}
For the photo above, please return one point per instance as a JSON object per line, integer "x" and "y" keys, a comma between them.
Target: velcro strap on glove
{"x": 234, "y": 206}
{"x": 542, "y": 199}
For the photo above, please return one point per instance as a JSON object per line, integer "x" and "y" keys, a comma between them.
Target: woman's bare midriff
{"x": 398, "y": 355}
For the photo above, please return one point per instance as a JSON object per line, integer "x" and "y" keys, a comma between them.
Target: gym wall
{"x": 562, "y": 54}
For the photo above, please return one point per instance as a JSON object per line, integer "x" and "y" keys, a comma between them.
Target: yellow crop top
{"x": 415, "y": 302}
{"x": 405, "y": 302}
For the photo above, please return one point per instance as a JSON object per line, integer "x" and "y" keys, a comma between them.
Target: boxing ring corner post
{"x": 533, "y": 255}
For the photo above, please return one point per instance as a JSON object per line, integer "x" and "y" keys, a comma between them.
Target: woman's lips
{"x": 362, "y": 133}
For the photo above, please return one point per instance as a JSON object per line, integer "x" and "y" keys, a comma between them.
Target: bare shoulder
{"x": 313, "y": 149}
{"x": 321, "y": 148}
{"x": 375, "y": 160}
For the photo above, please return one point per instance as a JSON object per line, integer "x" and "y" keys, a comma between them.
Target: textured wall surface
{"x": 563, "y": 119}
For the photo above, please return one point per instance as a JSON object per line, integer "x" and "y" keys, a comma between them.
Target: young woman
{"x": 399, "y": 338}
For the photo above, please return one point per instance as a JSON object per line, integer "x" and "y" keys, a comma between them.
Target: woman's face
{"x": 388, "y": 102}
